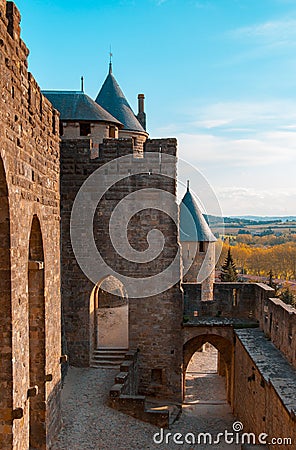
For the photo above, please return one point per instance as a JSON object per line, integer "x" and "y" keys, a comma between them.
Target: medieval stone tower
{"x": 198, "y": 247}
{"x": 95, "y": 134}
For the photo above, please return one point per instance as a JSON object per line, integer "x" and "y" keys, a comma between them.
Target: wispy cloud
{"x": 235, "y": 199}
{"x": 277, "y": 32}
{"x": 160, "y": 2}
{"x": 203, "y": 4}
{"x": 248, "y": 145}
{"x": 264, "y": 149}
{"x": 244, "y": 116}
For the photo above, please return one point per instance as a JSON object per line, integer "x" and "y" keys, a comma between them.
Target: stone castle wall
{"x": 264, "y": 389}
{"x": 29, "y": 227}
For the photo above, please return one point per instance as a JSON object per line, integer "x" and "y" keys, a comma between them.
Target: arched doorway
{"x": 111, "y": 314}
{"x": 203, "y": 380}
{"x": 219, "y": 355}
{"x": 6, "y": 383}
{"x": 36, "y": 318}
{"x": 110, "y": 323}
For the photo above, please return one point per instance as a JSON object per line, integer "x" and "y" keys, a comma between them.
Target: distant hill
{"x": 265, "y": 218}
{"x": 248, "y": 220}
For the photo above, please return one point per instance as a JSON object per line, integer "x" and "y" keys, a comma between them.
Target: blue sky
{"x": 220, "y": 75}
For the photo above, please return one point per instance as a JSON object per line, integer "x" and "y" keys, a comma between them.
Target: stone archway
{"x": 225, "y": 357}
{"x": 36, "y": 319}
{"x": 6, "y": 382}
{"x": 110, "y": 314}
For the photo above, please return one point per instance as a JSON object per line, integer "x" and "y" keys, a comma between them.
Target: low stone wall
{"x": 264, "y": 388}
{"x": 124, "y": 394}
{"x": 278, "y": 321}
{"x": 235, "y": 300}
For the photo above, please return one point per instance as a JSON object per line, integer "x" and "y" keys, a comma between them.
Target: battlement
{"x": 10, "y": 18}
{"x": 14, "y": 19}
{"x": 167, "y": 146}
{"x": 114, "y": 148}
{"x": 19, "y": 90}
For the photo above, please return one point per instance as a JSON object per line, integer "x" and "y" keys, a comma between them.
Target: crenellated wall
{"x": 29, "y": 195}
{"x": 232, "y": 300}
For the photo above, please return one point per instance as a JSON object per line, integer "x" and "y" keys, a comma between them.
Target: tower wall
{"x": 139, "y": 140}
{"x": 155, "y": 321}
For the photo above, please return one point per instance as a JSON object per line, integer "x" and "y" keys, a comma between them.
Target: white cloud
{"x": 203, "y": 4}
{"x": 251, "y": 145}
{"x": 239, "y": 200}
{"x": 276, "y": 32}
{"x": 244, "y": 115}
{"x": 265, "y": 149}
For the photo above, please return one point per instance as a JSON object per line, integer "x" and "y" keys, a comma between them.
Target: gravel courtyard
{"x": 88, "y": 424}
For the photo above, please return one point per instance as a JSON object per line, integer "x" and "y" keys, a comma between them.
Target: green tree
{"x": 272, "y": 283}
{"x": 228, "y": 270}
{"x": 288, "y": 297}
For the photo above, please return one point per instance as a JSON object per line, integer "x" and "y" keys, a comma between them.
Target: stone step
{"x": 108, "y": 358}
{"x": 111, "y": 353}
{"x": 111, "y": 349}
{"x": 97, "y": 356}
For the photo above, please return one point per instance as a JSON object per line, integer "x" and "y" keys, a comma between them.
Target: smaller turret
{"x": 198, "y": 246}
{"x": 112, "y": 99}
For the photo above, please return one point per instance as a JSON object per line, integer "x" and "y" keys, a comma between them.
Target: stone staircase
{"x": 108, "y": 358}
{"x": 156, "y": 405}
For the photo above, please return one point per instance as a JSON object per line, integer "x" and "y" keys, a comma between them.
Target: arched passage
{"x": 110, "y": 314}
{"x": 6, "y": 383}
{"x": 225, "y": 357}
{"x": 36, "y": 317}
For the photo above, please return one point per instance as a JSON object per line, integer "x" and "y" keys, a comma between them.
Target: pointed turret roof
{"x": 77, "y": 106}
{"x": 113, "y": 100}
{"x": 193, "y": 225}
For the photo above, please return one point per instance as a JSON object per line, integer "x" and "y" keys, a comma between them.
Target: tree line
{"x": 254, "y": 260}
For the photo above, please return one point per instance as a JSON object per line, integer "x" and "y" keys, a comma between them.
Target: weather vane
{"x": 110, "y": 62}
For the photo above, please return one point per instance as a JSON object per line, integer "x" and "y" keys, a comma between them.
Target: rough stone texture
{"x": 154, "y": 322}
{"x": 265, "y": 386}
{"x": 29, "y": 188}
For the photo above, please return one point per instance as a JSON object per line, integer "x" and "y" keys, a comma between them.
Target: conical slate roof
{"x": 113, "y": 100}
{"x": 77, "y": 106}
{"x": 193, "y": 225}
